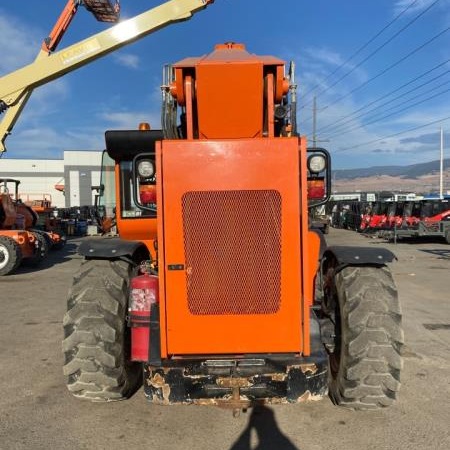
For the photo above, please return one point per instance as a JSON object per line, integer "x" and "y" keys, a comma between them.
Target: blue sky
{"x": 122, "y": 89}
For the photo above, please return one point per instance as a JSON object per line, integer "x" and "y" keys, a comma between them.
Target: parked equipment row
{"x": 391, "y": 219}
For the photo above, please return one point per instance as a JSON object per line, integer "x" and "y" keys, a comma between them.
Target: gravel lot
{"x": 37, "y": 411}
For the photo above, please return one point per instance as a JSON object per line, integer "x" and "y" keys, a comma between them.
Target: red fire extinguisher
{"x": 143, "y": 317}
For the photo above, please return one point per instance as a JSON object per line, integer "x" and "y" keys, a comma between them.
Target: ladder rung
{"x": 104, "y": 10}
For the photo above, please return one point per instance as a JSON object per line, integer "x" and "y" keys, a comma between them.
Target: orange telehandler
{"x": 218, "y": 290}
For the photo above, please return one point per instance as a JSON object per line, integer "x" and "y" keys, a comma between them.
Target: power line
{"x": 336, "y": 123}
{"x": 396, "y": 112}
{"x": 373, "y": 53}
{"x": 392, "y": 135}
{"x": 389, "y": 67}
{"x": 342, "y": 127}
{"x": 361, "y": 48}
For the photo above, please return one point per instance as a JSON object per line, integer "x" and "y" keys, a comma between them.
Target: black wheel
{"x": 447, "y": 236}
{"x": 61, "y": 243}
{"x": 48, "y": 240}
{"x": 96, "y": 336}
{"x": 366, "y": 363}
{"x": 10, "y": 255}
{"x": 41, "y": 251}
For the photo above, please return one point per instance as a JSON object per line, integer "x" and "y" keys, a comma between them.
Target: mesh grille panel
{"x": 232, "y": 244}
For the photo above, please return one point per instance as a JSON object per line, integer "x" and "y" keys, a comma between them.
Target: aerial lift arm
{"x": 16, "y": 87}
{"x": 103, "y": 10}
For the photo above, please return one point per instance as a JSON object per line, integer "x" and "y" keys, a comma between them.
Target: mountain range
{"x": 423, "y": 178}
{"x": 411, "y": 171}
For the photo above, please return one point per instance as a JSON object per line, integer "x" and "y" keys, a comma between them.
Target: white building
{"x": 76, "y": 173}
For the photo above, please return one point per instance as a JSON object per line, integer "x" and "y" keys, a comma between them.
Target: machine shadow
{"x": 53, "y": 258}
{"x": 270, "y": 437}
{"x": 440, "y": 253}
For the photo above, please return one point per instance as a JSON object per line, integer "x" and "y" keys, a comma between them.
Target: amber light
{"x": 144, "y": 126}
{"x": 316, "y": 188}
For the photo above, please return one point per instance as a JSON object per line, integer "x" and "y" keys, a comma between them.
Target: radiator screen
{"x": 232, "y": 244}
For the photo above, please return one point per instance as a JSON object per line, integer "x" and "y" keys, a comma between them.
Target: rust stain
{"x": 205, "y": 402}
{"x": 233, "y": 382}
{"x": 275, "y": 401}
{"x": 308, "y": 397}
{"x": 157, "y": 381}
{"x": 234, "y": 401}
{"x": 305, "y": 368}
{"x": 277, "y": 376}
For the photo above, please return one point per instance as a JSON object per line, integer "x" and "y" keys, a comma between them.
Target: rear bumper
{"x": 240, "y": 382}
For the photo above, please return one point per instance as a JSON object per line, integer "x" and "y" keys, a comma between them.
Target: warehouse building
{"x": 67, "y": 182}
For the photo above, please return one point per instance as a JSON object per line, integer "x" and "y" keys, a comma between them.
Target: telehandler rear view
{"x": 217, "y": 290}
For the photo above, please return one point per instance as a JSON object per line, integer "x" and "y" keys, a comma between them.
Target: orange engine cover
{"x": 229, "y": 241}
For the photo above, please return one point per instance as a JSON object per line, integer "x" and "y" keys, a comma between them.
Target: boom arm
{"x": 16, "y": 87}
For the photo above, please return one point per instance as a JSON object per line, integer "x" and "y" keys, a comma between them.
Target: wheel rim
{"x": 335, "y": 313}
{"x": 4, "y": 256}
{"x": 335, "y": 357}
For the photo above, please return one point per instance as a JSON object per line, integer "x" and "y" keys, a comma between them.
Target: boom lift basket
{"x": 103, "y": 10}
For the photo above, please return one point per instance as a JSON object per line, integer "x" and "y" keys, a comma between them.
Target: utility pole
{"x": 441, "y": 168}
{"x": 314, "y": 125}
{"x": 314, "y": 137}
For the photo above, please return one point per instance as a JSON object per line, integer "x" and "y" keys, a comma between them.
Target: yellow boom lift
{"x": 16, "y": 87}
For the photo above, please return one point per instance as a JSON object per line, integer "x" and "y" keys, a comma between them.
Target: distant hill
{"x": 412, "y": 171}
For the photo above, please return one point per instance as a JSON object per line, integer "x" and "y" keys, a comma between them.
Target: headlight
{"x": 316, "y": 163}
{"x": 146, "y": 168}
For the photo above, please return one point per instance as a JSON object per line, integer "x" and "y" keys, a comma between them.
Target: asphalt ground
{"x": 37, "y": 411}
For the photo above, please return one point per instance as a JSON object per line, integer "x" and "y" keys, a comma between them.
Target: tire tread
{"x": 370, "y": 363}
{"x": 94, "y": 333}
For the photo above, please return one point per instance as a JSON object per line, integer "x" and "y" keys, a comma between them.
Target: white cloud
{"x": 329, "y": 60}
{"x": 127, "y": 60}
{"x": 421, "y": 117}
{"x": 130, "y": 119}
{"x": 400, "y": 5}
{"x": 38, "y": 142}
{"x": 19, "y": 43}
{"x": 49, "y": 142}
{"x": 45, "y": 100}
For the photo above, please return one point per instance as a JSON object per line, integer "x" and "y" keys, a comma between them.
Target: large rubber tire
{"x": 447, "y": 236}
{"x": 365, "y": 367}
{"x": 96, "y": 337}
{"x": 61, "y": 243}
{"x": 10, "y": 255}
{"x": 40, "y": 253}
{"x": 47, "y": 238}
